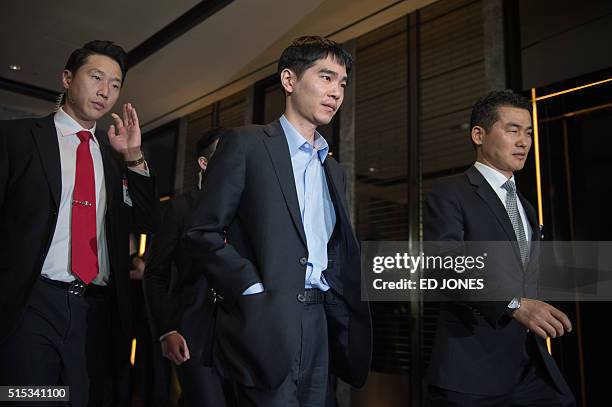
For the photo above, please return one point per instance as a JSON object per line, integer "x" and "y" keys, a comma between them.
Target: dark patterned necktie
{"x": 515, "y": 219}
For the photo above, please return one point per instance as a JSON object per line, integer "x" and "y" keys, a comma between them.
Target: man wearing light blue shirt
{"x": 316, "y": 207}
{"x": 272, "y": 235}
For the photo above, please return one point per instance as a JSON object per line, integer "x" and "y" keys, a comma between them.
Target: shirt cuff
{"x": 144, "y": 173}
{"x": 161, "y": 338}
{"x": 254, "y": 289}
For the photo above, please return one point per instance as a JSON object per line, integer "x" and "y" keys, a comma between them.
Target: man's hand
{"x": 138, "y": 268}
{"x": 174, "y": 347}
{"x": 541, "y": 318}
{"x": 124, "y": 135}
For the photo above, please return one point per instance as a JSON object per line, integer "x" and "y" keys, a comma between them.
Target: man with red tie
{"x": 68, "y": 199}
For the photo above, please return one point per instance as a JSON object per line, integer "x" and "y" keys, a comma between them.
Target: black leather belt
{"x": 78, "y": 287}
{"x": 312, "y": 296}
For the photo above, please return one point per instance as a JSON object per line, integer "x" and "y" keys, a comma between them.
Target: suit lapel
{"x": 45, "y": 138}
{"x": 486, "y": 193}
{"x": 111, "y": 174}
{"x": 535, "y": 229}
{"x": 531, "y": 217}
{"x": 334, "y": 183}
{"x": 278, "y": 149}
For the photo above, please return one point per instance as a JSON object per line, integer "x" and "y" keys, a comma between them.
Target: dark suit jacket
{"x": 250, "y": 194}
{"x": 30, "y": 189}
{"x": 170, "y": 283}
{"x": 478, "y": 348}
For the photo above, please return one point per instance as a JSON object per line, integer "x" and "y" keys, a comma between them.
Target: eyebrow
{"x": 511, "y": 124}
{"x": 332, "y": 73}
{"x": 102, "y": 73}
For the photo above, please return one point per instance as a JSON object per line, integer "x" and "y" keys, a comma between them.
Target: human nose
{"x": 336, "y": 91}
{"x": 103, "y": 90}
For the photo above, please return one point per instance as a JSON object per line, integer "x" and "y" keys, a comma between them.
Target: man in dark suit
{"x": 67, "y": 201}
{"x": 179, "y": 300}
{"x": 272, "y": 234}
{"x": 493, "y": 353}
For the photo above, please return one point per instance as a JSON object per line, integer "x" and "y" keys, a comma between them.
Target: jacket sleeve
{"x": 227, "y": 271}
{"x": 161, "y": 305}
{"x": 146, "y": 214}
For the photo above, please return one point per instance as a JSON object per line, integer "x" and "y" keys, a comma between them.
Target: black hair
{"x": 79, "y": 56}
{"x": 204, "y": 145}
{"x": 485, "y": 110}
{"x": 305, "y": 51}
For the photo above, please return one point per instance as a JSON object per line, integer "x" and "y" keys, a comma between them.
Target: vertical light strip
{"x": 536, "y": 148}
{"x": 534, "y": 106}
{"x": 133, "y": 353}
{"x": 142, "y": 245}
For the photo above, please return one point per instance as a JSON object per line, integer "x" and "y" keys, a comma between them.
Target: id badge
{"x": 126, "y": 193}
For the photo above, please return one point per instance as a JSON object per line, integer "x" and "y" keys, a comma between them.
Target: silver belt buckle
{"x": 77, "y": 287}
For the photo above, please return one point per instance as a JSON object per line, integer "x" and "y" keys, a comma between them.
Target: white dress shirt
{"x": 496, "y": 179}
{"x": 57, "y": 263}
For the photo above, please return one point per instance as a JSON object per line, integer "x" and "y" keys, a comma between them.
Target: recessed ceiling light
{"x": 15, "y": 67}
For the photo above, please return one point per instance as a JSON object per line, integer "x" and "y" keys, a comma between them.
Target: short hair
{"x": 79, "y": 56}
{"x": 485, "y": 111}
{"x": 305, "y": 51}
{"x": 204, "y": 144}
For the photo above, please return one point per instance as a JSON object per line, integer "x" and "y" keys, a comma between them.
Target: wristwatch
{"x": 514, "y": 305}
{"x": 135, "y": 163}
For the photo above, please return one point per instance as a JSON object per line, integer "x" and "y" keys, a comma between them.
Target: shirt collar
{"x": 297, "y": 142}
{"x": 67, "y": 126}
{"x": 495, "y": 178}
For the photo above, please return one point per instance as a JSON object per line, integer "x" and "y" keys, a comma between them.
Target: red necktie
{"x": 84, "y": 241}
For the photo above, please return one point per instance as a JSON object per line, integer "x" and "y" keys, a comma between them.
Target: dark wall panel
{"x": 452, "y": 78}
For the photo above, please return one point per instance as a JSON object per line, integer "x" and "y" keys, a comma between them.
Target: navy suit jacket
{"x": 250, "y": 198}
{"x": 478, "y": 348}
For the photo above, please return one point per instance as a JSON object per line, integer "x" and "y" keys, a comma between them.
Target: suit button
{"x": 301, "y": 297}
{"x": 303, "y": 261}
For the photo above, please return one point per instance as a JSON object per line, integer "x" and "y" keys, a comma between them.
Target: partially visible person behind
{"x": 149, "y": 378}
{"x": 179, "y": 299}
{"x": 68, "y": 198}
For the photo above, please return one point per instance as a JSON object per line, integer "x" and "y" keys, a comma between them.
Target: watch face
{"x": 514, "y": 304}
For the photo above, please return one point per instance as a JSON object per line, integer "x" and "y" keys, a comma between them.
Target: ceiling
{"x": 225, "y": 53}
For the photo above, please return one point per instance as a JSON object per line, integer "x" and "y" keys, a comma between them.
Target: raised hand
{"x": 124, "y": 134}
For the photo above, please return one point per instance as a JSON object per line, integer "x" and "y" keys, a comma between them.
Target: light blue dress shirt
{"x": 316, "y": 206}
